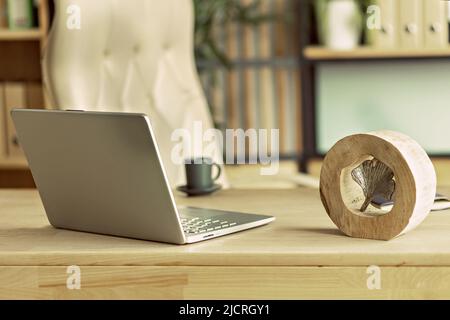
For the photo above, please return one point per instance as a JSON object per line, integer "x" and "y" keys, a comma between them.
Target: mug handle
{"x": 219, "y": 171}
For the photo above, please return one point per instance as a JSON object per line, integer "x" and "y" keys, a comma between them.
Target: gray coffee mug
{"x": 199, "y": 173}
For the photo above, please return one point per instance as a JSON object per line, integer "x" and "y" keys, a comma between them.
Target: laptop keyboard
{"x": 198, "y": 225}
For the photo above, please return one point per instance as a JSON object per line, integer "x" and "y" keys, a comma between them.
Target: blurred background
{"x": 315, "y": 70}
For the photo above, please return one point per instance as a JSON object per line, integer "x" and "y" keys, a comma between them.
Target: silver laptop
{"x": 101, "y": 172}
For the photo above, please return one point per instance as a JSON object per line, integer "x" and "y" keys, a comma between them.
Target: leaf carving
{"x": 375, "y": 179}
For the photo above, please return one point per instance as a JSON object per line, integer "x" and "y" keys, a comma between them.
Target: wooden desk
{"x": 300, "y": 255}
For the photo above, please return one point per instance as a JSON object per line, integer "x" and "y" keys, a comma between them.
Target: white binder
{"x": 435, "y": 23}
{"x": 386, "y": 36}
{"x": 411, "y": 23}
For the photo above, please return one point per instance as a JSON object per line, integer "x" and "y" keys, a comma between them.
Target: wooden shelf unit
{"x": 21, "y": 53}
{"x": 312, "y": 55}
{"x": 366, "y": 52}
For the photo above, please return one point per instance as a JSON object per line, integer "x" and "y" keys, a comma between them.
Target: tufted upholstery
{"x": 131, "y": 56}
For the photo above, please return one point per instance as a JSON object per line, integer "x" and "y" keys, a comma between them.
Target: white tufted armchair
{"x": 130, "y": 56}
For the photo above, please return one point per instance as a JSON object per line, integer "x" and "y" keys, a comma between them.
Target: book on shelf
{"x": 387, "y": 35}
{"x": 435, "y": 23}
{"x": 268, "y": 93}
{"x": 249, "y": 45}
{"x": 232, "y": 76}
{"x": 217, "y": 97}
{"x": 217, "y": 82}
{"x": 3, "y": 15}
{"x": 287, "y": 48}
{"x": 15, "y": 97}
{"x": 3, "y": 146}
{"x": 20, "y": 14}
{"x": 295, "y": 132}
{"x": 279, "y": 42}
{"x": 410, "y": 24}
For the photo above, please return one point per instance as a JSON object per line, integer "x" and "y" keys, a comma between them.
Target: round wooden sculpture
{"x": 384, "y": 163}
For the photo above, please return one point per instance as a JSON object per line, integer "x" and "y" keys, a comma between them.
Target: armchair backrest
{"x": 131, "y": 56}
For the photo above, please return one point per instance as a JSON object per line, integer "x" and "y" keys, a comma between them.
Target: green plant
{"x": 209, "y": 13}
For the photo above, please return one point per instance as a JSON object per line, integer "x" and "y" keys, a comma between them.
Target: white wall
{"x": 408, "y": 96}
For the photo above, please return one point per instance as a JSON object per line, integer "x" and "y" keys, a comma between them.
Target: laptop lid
{"x": 99, "y": 172}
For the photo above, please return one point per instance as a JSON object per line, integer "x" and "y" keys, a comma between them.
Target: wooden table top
{"x": 302, "y": 235}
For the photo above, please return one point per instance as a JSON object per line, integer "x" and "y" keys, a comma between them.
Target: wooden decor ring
{"x": 385, "y": 163}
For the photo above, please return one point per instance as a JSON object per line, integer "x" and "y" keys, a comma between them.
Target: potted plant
{"x": 340, "y": 22}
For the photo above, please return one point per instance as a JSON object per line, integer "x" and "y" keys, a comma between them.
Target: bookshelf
{"x": 260, "y": 89}
{"x": 313, "y": 55}
{"x": 20, "y": 66}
